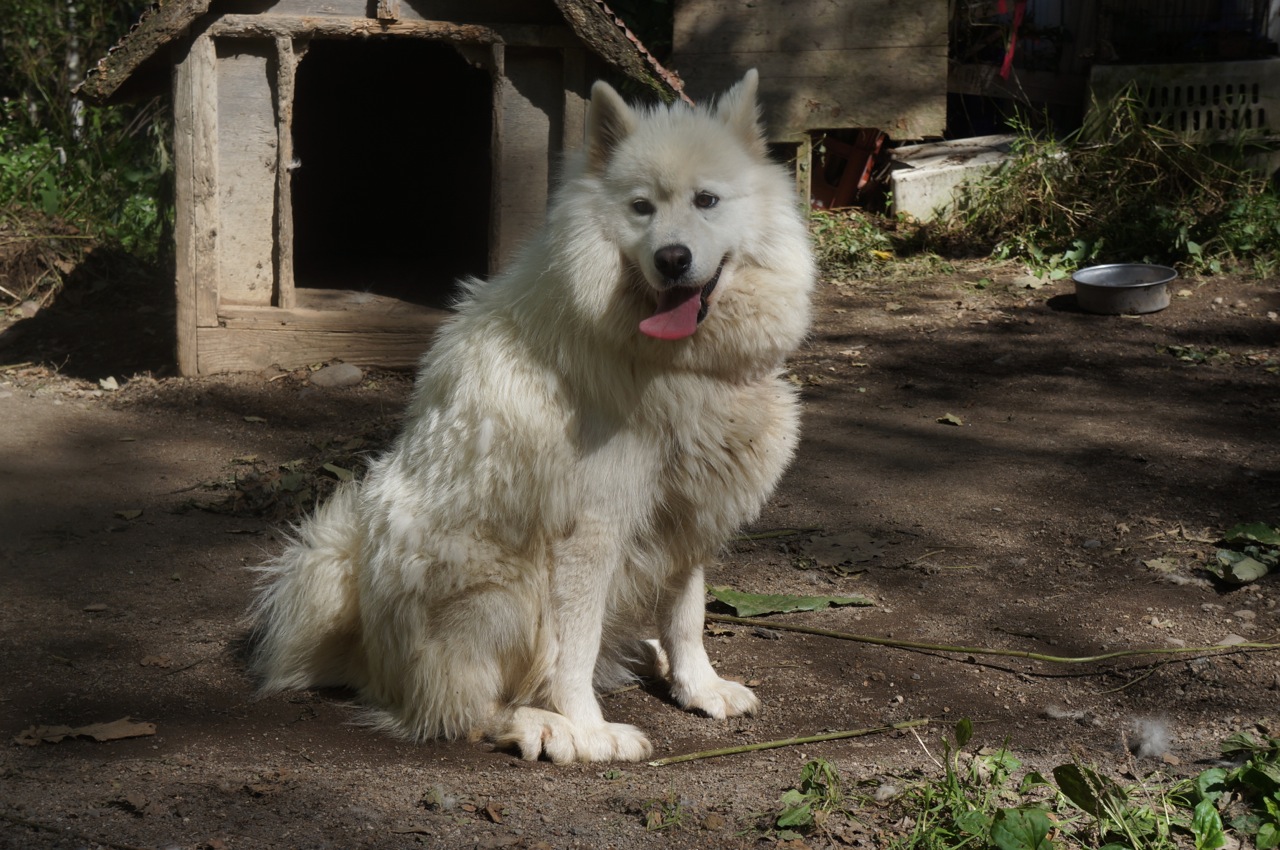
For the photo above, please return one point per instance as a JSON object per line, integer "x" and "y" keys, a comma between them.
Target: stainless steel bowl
{"x": 1123, "y": 288}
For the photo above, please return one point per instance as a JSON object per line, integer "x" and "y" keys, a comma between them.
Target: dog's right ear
{"x": 609, "y": 121}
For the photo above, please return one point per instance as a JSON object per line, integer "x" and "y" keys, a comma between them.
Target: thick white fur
{"x": 562, "y": 479}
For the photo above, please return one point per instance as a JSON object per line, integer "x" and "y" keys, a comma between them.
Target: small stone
{"x": 95, "y": 608}
{"x": 28, "y": 308}
{"x": 1092, "y": 544}
{"x": 1245, "y": 615}
{"x": 713, "y": 821}
{"x": 338, "y": 375}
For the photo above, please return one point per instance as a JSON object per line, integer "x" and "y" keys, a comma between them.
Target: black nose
{"x": 673, "y": 261}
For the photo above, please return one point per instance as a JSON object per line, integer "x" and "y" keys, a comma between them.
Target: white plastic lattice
{"x": 1214, "y": 98}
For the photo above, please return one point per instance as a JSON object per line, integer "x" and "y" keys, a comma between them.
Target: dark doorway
{"x": 391, "y": 179}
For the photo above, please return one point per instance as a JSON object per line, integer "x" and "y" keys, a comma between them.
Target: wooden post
{"x": 195, "y": 165}
{"x": 497, "y": 173}
{"x": 286, "y": 68}
{"x": 388, "y": 10}
{"x": 575, "y": 105}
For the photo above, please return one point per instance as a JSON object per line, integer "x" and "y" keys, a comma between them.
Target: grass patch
{"x": 983, "y": 799}
{"x": 981, "y": 802}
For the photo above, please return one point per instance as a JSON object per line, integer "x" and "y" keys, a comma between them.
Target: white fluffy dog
{"x": 585, "y": 434}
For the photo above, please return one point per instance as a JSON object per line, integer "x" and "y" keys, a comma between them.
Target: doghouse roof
{"x": 133, "y": 63}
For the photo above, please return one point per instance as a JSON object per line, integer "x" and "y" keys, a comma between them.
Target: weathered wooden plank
{"x": 273, "y": 26}
{"x": 243, "y": 349}
{"x": 522, "y": 11}
{"x": 335, "y": 310}
{"x": 804, "y": 26}
{"x": 195, "y": 176}
{"x": 247, "y": 155}
{"x": 286, "y": 75}
{"x": 576, "y": 86}
{"x": 159, "y": 25}
{"x": 531, "y": 110}
{"x": 902, "y": 92}
{"x": 388, "y": 10}
{"x": 823, "y": 65}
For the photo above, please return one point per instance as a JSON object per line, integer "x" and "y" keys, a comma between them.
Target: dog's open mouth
{"x": 680, "y": 309}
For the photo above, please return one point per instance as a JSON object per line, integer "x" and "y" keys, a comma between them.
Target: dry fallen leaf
{"x": 113, "y": 731}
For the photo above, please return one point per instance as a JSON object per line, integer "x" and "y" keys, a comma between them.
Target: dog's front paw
{"x": 717, "y": 698}
{"x": 603, "y": 742}
{"x": 534, "y": 731}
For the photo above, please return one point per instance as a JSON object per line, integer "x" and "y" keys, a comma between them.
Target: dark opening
{"x": 391, "y": 180}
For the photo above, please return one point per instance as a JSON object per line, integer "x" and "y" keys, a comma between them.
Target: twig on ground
{"x": 982, "y": 650}
{"x": 790, "y": 742}
{"x": 777, "y": 532}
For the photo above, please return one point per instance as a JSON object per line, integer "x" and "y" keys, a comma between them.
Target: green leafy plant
{"x": 809, "y": 804}
{"x": 1247, "y": 553}
{"x": 978, "y": 803}
{"x": 1119, "y": 190}
{"x": 1248, "y": 794}
{"x": 667, "y": 812}
{"x": 975, "y": 804}
{"x": 849, "y": 242}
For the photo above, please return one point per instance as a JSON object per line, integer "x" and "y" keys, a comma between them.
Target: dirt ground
{"x": 1094, "y": 462}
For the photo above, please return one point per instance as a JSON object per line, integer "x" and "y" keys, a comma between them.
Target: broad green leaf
{"x": 963, "y": 731}
{"x": 1261, "y": 776}
{"x": 973, "y": 822}
{"x": 1206, "y": 827}
{"x": 1268, "y": 837}
{"x": 1238, "y": 568}
{"x": 755, "y": 604}
{"x": 1021, "y": 829}
{"x": 797, "y": 809}
{"x": 1258, "y": 532}
{"x": 1034, "y": 779}
{"x": 1241, "y": 742}
{"x": 1082, "y": 786}
{"x": 1211, "y": 784}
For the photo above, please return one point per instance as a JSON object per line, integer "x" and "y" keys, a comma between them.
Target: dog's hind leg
{"x": 694, "y": 683}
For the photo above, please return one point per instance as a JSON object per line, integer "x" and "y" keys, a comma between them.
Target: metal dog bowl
{"x": 1123, "y": 288}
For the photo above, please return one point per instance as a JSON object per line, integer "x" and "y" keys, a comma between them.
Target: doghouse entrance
{"x": 392, "y": 168}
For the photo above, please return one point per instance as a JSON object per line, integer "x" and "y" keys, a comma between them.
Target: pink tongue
{"x": 677, "y": 314}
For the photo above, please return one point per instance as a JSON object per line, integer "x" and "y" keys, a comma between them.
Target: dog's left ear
{"x": 739, "y": 109}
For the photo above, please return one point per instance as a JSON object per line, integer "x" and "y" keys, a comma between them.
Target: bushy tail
{"x": 306, "y": 619}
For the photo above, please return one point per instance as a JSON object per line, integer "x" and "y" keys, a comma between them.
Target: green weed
{"x": 978, "y": 803}
{"x": 819, "y": 794}
{"x": 1119, "y": 190}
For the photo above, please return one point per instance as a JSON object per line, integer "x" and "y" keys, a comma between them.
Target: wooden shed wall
{"x": 823, "y": 65}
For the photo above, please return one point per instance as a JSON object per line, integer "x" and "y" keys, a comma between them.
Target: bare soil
{"x": 1068, "y": 513}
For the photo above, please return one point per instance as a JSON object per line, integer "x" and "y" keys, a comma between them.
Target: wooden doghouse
{"x": 340, "y": 163}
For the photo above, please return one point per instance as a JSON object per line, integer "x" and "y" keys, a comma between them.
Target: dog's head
{"x": 680, "y": 185}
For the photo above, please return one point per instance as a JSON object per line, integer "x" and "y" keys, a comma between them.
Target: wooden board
{"x": 253, "y": 349}
{"x": 860, "y": 63}
{"x": 195, "y": 195}
{"x": 529, "y": 122}
{"x": 515, "y": 11}
{"x": 247, "y": 155}
{"x": 356, "y": 327}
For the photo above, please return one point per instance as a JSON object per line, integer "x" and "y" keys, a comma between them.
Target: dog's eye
{"x": 705, "y": 200}
{"x": 642, "y": 206}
